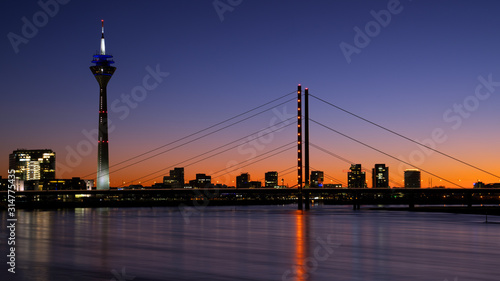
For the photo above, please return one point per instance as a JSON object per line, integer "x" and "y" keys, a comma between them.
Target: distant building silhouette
{"x": 412, "y": 178}
{"x": 271, "y": 179}
{"x": 317, "y": 178}
{"x": 67, "y": 184}
{"x": 332, "y": 185}
{"x": 176, "y": 178}
{"x": 255, "y": 184}
{"x": 243, "y": 181}
{"x": 37, "y": 164}
{"x": 380, "y": 176}
{"x": 201, "y": 181}
{"x": 356, "y": 178}
{"x": 4, "y": 184}
{"x": 479, "y": 184}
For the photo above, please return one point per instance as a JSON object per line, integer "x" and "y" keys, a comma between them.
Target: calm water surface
{"x": 251, "y": 243}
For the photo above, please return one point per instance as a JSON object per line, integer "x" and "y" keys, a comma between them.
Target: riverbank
{"x": 478, "y": 210}
{"x": 96, "y": 203}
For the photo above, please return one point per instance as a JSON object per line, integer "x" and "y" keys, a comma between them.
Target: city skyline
{"x": 417, "y": 77}
{"x": 38, "y": 165}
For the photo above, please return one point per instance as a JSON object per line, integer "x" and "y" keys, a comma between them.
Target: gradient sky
{"x": 410, "y": 77}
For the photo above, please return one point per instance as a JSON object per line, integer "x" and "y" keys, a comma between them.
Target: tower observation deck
{"x": 102, "y": 71}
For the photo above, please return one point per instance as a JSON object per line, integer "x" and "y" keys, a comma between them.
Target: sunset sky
{"x": 425, "y": 69}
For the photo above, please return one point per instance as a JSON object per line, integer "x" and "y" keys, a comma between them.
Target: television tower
{"x": 102, "y": 71}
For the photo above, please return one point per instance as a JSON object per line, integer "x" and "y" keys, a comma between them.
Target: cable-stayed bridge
{"x": 301, "y": 190}
{"x": 251, "y": 114}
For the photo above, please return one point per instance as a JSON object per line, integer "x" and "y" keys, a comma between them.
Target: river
{"x": 250, "y": 243}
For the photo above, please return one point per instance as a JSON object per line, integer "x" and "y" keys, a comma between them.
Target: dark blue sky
{"x": 407, "y": 77}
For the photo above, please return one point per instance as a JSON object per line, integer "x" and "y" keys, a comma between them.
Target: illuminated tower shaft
{"x": 102, "y": 71}
{"x": 299, "y": 145}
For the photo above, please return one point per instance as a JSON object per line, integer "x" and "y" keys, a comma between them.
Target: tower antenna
{"x": 103, "y": 46}
{"x": 102, "y": 71}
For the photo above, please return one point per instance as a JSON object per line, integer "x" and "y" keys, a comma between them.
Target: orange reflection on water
{"x": 301, "y": 250}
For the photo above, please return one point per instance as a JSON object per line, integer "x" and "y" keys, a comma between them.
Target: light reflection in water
{"x": 251, "y": 243}
{"x": 301, "y": 245}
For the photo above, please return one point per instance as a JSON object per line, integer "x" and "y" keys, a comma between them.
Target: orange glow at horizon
{"x": 224, "y": 170}
{"x": 261, "y": 155}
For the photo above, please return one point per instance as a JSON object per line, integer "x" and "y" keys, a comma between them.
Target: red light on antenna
{"x": 307, "y": 88}
{"x": 299, "y": 84}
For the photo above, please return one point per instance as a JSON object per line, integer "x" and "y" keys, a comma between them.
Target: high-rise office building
{"x": 317, "y": 178}
{"x": 356, "y": 177}
{"x": 38, "y": 164}
{"x": 243, "y": 181}
{"x": 102, "y": 71}
{"x": 201, "y": 181}
{"x": 175, "y": 179}
{"x": 271, "y": 179}
{"x": 412, "y": 178}
{"x": 380, "y": 176}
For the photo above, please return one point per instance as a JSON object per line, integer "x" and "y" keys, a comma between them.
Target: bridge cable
{"x": 193, "y": 140}
{"x": 249, "y": 160}
{"x": 404, "y": 137}
{"x": 219, "y": 147}
{"x": 293, "y": 169}
{"x": 345, "y": 160}
{"x": 328, "y": 176}
{"x": 205, "y": 129}
{"x": 386, "y": 154}
{"x": 253, "y": 162}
